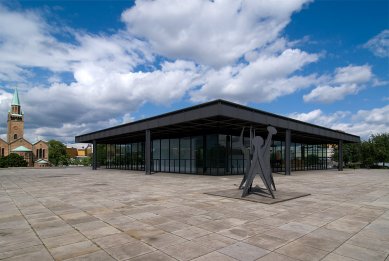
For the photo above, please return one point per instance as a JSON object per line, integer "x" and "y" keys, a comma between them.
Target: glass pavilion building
{"x": 205, "y": 139}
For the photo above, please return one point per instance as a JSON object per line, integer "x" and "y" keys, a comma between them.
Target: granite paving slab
{"x": 259, "y": 197}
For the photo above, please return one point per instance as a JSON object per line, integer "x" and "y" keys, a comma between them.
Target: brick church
{"x": 36, "y": 154}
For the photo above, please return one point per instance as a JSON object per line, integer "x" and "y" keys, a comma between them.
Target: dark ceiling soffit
{"x": 214, "y": 109}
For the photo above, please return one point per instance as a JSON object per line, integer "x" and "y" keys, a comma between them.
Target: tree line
{"x": 57, "y": 157}
{"x": 370, "y": 153}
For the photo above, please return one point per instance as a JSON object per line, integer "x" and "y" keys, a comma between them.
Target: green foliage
{"x": 101, "y": 154}
{"x": 368, "y": 153}
{"x": 57, "y": 153}
{"x": 85, "y": 161}
{"x": 381, "y": 147}
{"x": 12, "y": 160}
{"x": 312, "y": 159}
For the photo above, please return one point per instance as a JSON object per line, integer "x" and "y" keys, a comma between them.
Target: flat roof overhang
{"x": 216, "y": 117}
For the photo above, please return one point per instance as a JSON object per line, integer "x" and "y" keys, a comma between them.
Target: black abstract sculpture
{"x": 258, "y": 155}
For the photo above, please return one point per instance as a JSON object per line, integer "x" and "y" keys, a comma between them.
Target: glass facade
{"x": 214, "y": 154}
{"x": 129, "y": 156}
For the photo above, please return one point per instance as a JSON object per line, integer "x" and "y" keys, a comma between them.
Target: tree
{"x": 12, "y": 160}
{"x": 381, "y": 147}
{"x": 351, "y": 153}
{"x": 367, "y": 154}
{"x": 57, "y": 153}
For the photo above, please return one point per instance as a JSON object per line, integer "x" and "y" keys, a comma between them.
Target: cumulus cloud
{"x": 345, "y": 81}
{"x": 379, "y": 44}
{"x": 363, "y": 123}
{"x": 262, "y": 80}
{"x": 214, "y": 49}
{"x": 170, "y": 49}
{"x": 214, "y": 33}
{"x": 29, "y": 43}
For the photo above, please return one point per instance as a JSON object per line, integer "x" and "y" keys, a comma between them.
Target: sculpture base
{"x": 259, "y": 195}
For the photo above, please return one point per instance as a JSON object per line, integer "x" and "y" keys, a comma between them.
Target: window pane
{"x": 174, "y": 155}
{"x": 185, "y": 159}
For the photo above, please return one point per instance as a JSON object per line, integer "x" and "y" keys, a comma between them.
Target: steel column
{"x": 340, "y": 155}
{"x": 148, "y": 152}
{"x": 287, "y": 152}
{"x": 94, "y": 155}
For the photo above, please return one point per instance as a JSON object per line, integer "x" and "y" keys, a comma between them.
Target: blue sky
{"x": 81, "y": 66}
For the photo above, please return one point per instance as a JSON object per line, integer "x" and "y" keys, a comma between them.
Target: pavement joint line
{"x": 58, "y": 217}
{"x": 36, "y": 234}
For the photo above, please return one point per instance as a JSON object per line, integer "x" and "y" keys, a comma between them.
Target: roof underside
{"x": 216, "y": 117}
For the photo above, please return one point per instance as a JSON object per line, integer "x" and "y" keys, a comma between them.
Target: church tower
{"x": 15, "y": 120}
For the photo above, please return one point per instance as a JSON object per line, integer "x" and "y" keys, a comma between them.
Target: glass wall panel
{"x": 134, "y": 156}
{"x": 198, "y": 155}
{"x": 174, "y": 155}
{"x": 165, "y": 155}
{"x": 214, "y": 154}
{"x": 224, "y": 145}
{"x": 236, "y": 156}
{"x": 185, "y": 156}
{"x": 211, "y": 154}
{"x": 156, "y": 155}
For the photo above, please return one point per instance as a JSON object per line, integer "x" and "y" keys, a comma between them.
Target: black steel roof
{"x": 217, "y": 116}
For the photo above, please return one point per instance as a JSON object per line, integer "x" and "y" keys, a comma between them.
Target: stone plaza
{"x": 80, "y": 214}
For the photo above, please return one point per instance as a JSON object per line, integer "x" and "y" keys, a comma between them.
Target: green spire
{"x": 15, "y": 99}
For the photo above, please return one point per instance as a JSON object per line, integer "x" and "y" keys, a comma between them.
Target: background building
{"x": 36, "y": 154}
{"x": 79, "y": 150}
{"x": 204, "y": 139}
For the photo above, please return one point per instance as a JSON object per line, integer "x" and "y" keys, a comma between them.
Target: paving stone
{"x": 346, "y": 225}
{"x": 21, "y": 251}
{"x": 187, "y": 250}
{"x": 73, "y": 250}
{"x": 144, "y": 232}
{"x": 172, "y": 226}
{"x": 276, "y": 257}
{"x": 99, "y": 255}
{"x": 191, "y": 232}
{"x": 100, "y": 232}
{"x": 298, "y": 227}
{"x": 243, "y": 251}
{"x": 284, "y": 234}
{"x": 153, "y": 256}
{"x": 302, "y": 252}
{"x": 163, "y": 240}
{"x": 214, "y": 241}
{"x": 360, "y": 253}
{"x": 329, "y": 234}
{"x": 114, "y": 240}
{"x": 370, "y": 243}
{"x": 355, "y": 215}
{"x": 320, "y": 243}
{"x": 41, "y": 255}
{"x": 265, "y": 241}
{"x": 214, "y": 256}
{"x": 335, "y": 257}
{"x": 69, "y": 238}
{"x": 238, "y": 233}
{"x": 129, "y": 250}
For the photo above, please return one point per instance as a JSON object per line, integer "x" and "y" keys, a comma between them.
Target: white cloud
{"x": 215, "y": 49}
{"x": 213, "y": 33}
{"x": 379, "y": 44}
{"x": 329, "y": 94}
{"x": 262, "y": 80}
{"x": 363, "y": 123}
{"x": 346, "y": 81}
{"x": 29, "y": 43}
{"x": 353, "y": 74}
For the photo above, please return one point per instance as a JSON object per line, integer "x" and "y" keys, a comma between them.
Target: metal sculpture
{"x": 258, "y": 154}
